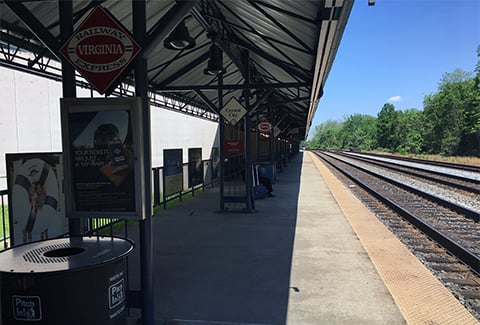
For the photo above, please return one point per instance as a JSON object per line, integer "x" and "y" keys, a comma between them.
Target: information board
{"x": 172, "y": 171}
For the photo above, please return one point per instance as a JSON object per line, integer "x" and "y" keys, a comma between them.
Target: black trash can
{"x": 76, "y": 280}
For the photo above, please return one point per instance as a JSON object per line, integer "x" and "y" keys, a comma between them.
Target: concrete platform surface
{"x": 296, "y": 260}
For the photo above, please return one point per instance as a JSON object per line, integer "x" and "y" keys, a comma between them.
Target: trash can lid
{"x": 64, "y": 254}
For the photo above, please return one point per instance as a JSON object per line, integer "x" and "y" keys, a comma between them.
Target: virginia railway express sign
{"x": 100, "y": 49}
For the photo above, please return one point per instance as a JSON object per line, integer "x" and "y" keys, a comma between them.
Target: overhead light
{"x": 215, "y": 63}
{"x": 371, "y": 2}
{"x": 179, "y": 38}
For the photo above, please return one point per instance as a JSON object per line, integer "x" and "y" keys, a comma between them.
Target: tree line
{"x": 449, "y": 123}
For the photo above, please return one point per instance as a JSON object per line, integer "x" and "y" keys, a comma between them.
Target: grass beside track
{"x": 4, "y": 218}
{"x": 473, "y": 161}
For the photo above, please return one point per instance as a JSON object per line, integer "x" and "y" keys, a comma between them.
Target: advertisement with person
{"x": 101, "y": 148}
{"x": 36, "y": 198}
{"x": 102, "y": 160}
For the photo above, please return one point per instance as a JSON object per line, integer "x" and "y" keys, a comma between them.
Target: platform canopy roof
{"x": 278, "y": 53}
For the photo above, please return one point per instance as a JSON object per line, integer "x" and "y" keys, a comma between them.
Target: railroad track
{"x": 442, "y": 233}
{"x": 469, "y": 185}
{"x": 429, "y": 162}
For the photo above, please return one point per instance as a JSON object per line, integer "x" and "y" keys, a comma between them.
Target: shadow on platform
{"x": 225, "y": 267}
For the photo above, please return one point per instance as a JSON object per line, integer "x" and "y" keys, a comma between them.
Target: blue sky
{"x": 397, "y": 52}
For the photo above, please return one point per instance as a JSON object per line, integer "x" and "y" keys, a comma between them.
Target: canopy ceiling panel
{"x": 278, "y": 51}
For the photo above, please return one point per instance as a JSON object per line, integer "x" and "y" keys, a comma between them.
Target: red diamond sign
{"x": 100, "y": 49}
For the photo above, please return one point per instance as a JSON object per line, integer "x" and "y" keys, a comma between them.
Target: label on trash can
{"x": 116, "y": 295}
{"x": 27, "y": 308}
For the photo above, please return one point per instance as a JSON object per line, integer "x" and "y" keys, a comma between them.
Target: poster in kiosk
{"x": 74, "y": 281}
{"x": 104, "y": 162}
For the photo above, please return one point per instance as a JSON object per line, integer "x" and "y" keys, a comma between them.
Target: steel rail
{"x": 429, "y": 162}
{"x": 466, "y": 256}
{"x": 418, "y": 172}
{"x": 467, "y": 212}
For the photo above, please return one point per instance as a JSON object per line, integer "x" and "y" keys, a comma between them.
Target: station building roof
{"x": 278, "y": 53}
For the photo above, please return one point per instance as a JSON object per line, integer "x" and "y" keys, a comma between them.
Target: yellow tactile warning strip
{"x": 421, "y": 298}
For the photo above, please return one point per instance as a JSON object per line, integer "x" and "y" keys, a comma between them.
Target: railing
{"x": 5, "y": 225}
{"x": 110, "y": 226}
{"x": 160, "y": 200}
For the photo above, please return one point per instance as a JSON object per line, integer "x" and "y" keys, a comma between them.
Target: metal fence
{"x": 5, "y": 225}
{"x": 109, "y": 226}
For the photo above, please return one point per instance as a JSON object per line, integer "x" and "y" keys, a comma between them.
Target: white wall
{"x": 172, "y": 130}
{"x": 30, "y": 121}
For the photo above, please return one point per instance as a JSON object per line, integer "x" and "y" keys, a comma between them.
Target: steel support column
{"x": 271, "y": 147}
{"x": 257, "y": 136}
{"x": 145, "y": 225}
{"x": 69, "y": 89}
{"x": 221, "y": 140}
{"x": 248, "y": 141}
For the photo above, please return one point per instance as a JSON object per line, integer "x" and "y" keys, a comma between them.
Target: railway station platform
{"x": 312, "y": 254}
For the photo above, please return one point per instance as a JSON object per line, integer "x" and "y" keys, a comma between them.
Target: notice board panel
{"x": 172, "y": 171}
{"x": 195, "y": 167}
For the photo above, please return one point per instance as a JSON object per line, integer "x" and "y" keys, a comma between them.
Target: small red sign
{"x": 100, "y": 49}
{"x": 233, "y": 146}
{"x": 264, "y": 126}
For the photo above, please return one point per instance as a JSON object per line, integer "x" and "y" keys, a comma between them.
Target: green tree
{"x": 387, "y": 126}
{"x": 327, "y": 135}
{"x": 452, "y": 116}
{"x": 473, "y": 113}
{"x": 358, "y": 131}
{"x": 410, "y": 131}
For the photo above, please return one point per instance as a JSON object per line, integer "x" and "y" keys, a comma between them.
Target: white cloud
{"x": 395, "y": 99}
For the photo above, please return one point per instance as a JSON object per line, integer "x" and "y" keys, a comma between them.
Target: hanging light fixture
{"x": 215, "y": 63}
{"x": 179, "y": 38}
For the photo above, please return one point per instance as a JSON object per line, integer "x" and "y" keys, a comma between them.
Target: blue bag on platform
{"x": 259, "y": 192}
